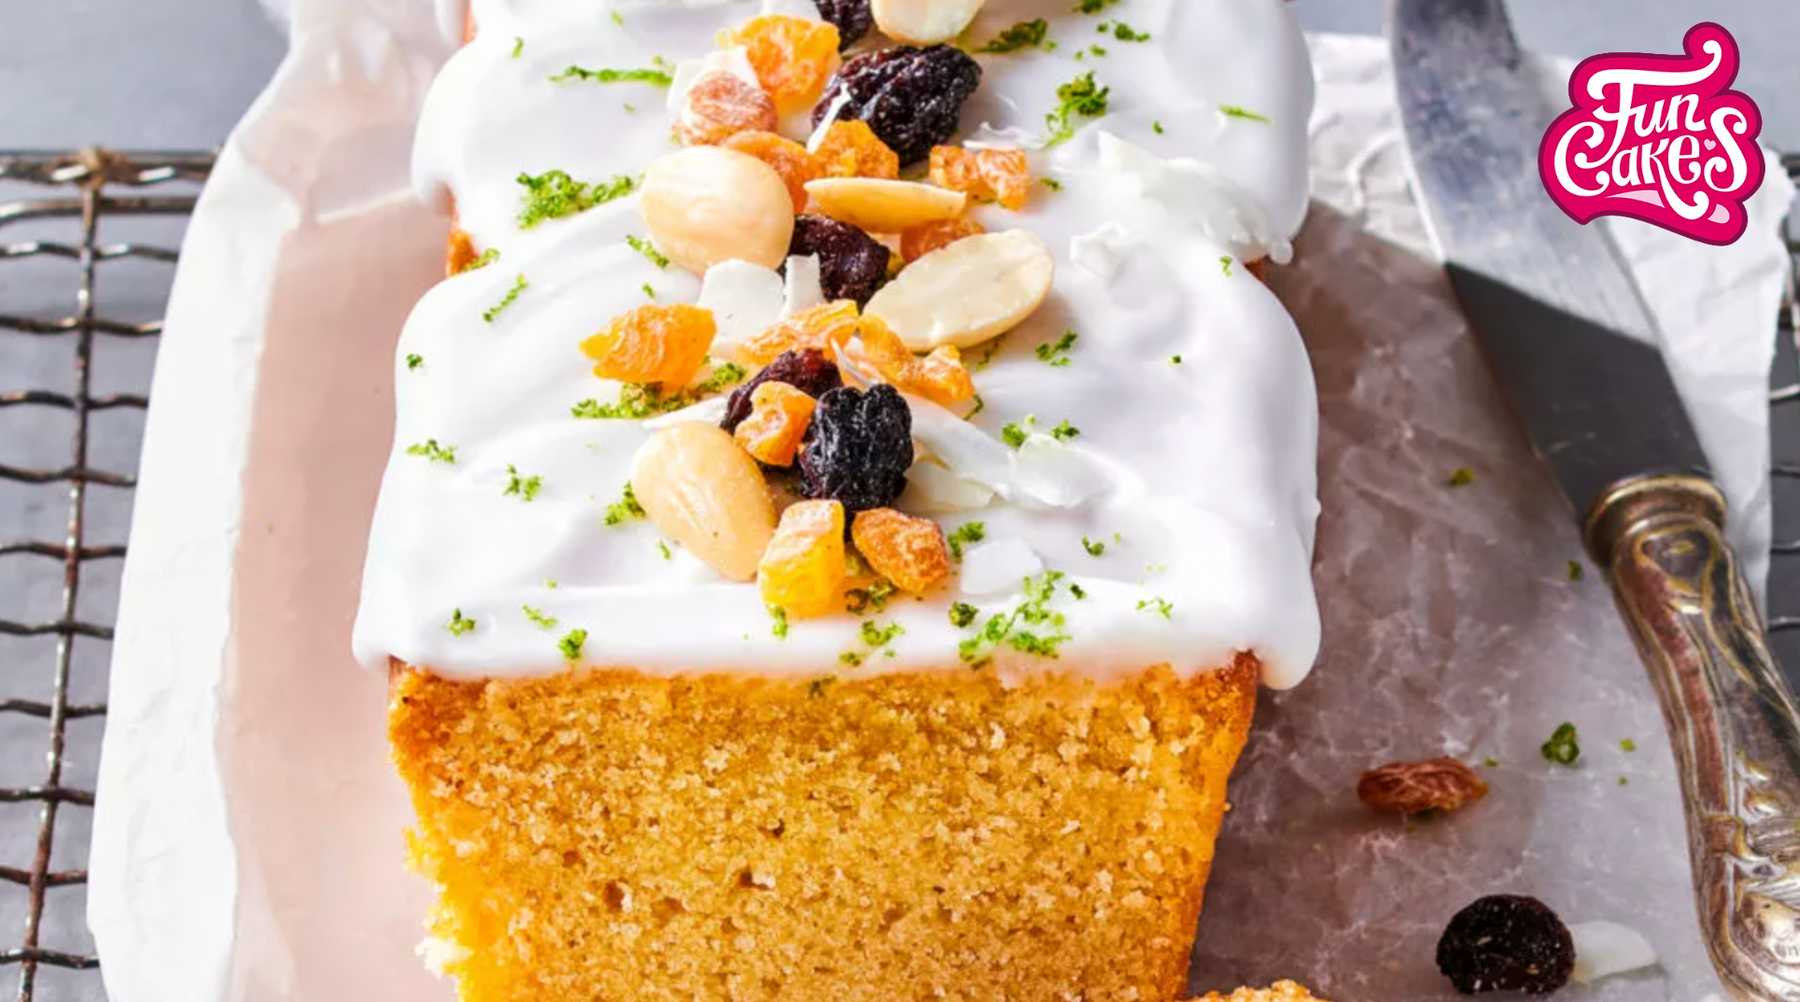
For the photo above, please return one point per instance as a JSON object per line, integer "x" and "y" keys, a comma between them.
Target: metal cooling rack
{"x": 75, "y": 194}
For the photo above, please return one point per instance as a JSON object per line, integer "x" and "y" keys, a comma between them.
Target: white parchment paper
{"x": 247, "y": 841}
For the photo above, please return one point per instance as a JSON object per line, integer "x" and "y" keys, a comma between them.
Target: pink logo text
{"x": 1658, "y": 138}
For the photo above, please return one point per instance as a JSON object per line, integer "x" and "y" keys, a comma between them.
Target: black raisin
{"x": 912, "y": 98}
{"x": 808, "y": 371}
{"x": 853, "y": 19}
{"x": 858, "y": 448}
{"x": 1506, "y": 943}
{"x": 852, "y": 264}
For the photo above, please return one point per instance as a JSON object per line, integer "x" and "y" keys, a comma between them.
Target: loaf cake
{"x": 846, "y": 494}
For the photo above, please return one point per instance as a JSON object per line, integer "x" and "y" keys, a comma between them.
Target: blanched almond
{"x": 707, "y": 494}
{"x": 975, "y": 289}
{"x": 705, "y": 204}
{"x": 924, "y": 22}
{"x": 882, "y": 206}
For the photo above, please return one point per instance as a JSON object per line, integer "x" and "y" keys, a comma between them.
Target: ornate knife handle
{"x": 1731, "y": 716}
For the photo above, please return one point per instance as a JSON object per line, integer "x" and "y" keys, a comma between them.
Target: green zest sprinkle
{"x": 414, "y": 361}
{"x": 551, "y": 584}
{"x": 1225, "y": 264}
{"x": 1098, "y": 50}
{"x": 657, "y": 75}
{"x": 519, "y": 285}
{"x": 1462, "y": 477}
{"x": 554, "y": 194}
{"x": 486, "y": 258}
{"x": 987, "y": 354}
{"x": 1057, "y": 352}
{"x": 871, "y": 599}
{"x": 1023, "y": 35}
{"x": 625, "y": 509}
{"x": 1052, "y": 183}
{"x": 1562, "y": 747}
{"x": 572, "y": 643}
{"x": 980, "y": 405}
{"x": 1065, "y": 431}
{"x": 431, "y": 450}
{"x": 649, "y": 290}
{"x": 1079, "y": 97}
{"x": 1491, "y": 762}
{"x": 1092, "y": 6}
{"x": 1094, "y": 548}
{"x": 1079, "y": 592}
{"x": 1030, "y": 628}
{"x": 1627, "y": 745}
{"x": 518, "y": 46}
{"x": 1174, "y": 359}
{"x": 524, "y": 488}
{"x": 618, "y": 19}
{"x": 1014, "y": 433}
{"x": 1156, "y": 127}
{"x": 1123, "y": 32}
{"x": 663, "y": 546}
{"x": 780, "y": 627}
{"x": 1159, "y": 606}
{"x": 1576, "y": 570}
{"x": 1233, "y": 111}
{"x": 966, "y": 534}
{"x": 877, "y": 638}
{"x": 537, "y": 616}
{"x": 1623, "y": 781}
{"x": 459, "y": 624}
{"x": 638, "y": 401}
{"x": 645, "y": 248}
{"x": 816, "y": 688}
{"x": 962, "y": 614}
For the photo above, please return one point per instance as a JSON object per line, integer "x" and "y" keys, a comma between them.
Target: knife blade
{"x": 1577, "y": 355}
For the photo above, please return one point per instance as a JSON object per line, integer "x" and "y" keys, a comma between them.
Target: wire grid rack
{"x": 89, "y": 187}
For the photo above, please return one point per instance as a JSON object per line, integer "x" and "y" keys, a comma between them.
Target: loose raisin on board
{"x": 852, "y": 264}
{"x": 1507, "y": 942}
{"x": 808, "y": 371}
{"x": 858, "y": 448}
{"x": 911, "y": 97}
{"x": 853, "y": 19}
{"x": 1439, "y": 784}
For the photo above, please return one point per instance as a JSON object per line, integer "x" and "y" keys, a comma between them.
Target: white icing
{"x": 1204, "y": 470}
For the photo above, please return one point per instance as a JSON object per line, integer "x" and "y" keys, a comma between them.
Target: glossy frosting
{"x": 1204, "y": 470}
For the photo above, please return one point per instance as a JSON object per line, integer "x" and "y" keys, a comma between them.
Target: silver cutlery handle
{"x": 1731, "y": 716}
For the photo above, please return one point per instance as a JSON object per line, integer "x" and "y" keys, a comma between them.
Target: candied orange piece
{"x": 719, "y": 106}
{"x": 792, "y": 56}
{"x": 804, "y": 564}
{"x": 939, "y": 377}
{"x": 851, "y": 149}
{"x": 461, "y": 253}
{"x": 653, "y": 344}
{"x": 827, "y": 327}
{"x": 778, "y": 418}
{"x": 790, "y": 160}
{"x": 908, "y": 551}
{"x": 1002, "y": 176}
{"x": 921, "y": 240}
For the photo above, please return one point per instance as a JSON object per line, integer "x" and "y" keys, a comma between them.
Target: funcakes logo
{"x": 1659, "y": 138}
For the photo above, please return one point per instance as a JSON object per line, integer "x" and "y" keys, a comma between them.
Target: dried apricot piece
{"x": 792, "y": 56}
{"x": 779, "y": 415}
{"x": 804, "y": 564}
{"x": 826, "y": 327}
{"x": 653, "y": 344}
{"x": 1002, "y": 176}
{"x": 721, "y": 105}
{"x": 921, "y": 240}
{"x": 851, "y": 149}
{"x": 790, "y": 159}
{"x": 939, "y": 377}
{"x": 910, "y": 552}
{"x": 461, "y": 252}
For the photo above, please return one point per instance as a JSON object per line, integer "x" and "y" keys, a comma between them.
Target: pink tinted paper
{"x": 248, "y": 838}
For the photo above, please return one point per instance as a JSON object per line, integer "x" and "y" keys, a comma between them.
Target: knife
{"x": 1576, "y": 352}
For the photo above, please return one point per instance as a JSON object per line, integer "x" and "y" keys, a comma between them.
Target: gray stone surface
{"x": 177, "y": 74}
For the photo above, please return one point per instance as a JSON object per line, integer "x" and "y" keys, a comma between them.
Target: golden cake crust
{"x": 1280, "y": 991}
{"x": 615, "y": 835}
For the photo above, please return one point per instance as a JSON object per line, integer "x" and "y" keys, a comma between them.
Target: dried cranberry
{"x": 808, "y": 371}
{"x": 852, "y": 264}
{"x": 912, "y": 98}
{"x": 858, "y": 448}
{"x": 853, "y": 19}
{"x": 1506, "y": 943}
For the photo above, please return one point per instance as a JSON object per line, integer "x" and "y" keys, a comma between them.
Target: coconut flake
{"x": 1603, "y": 949}
{"x": 986, "y": 137}
{"x": 708, "y": 411}
{"x": 931, "y": 488}
{"x": 802, "y": 289}
{"x": 744, "y": 299}
{"x": 1102, "y": 251}
{"x": 1055, "y": 473}
{"x": 1196, "y": 193}
{"x": 735, "y": 61}
{"x": 1001, "y": 565}
{"x": 817, "y": 139}
{"x": 805, "y": 10}
{"x": 964, "y": 449}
